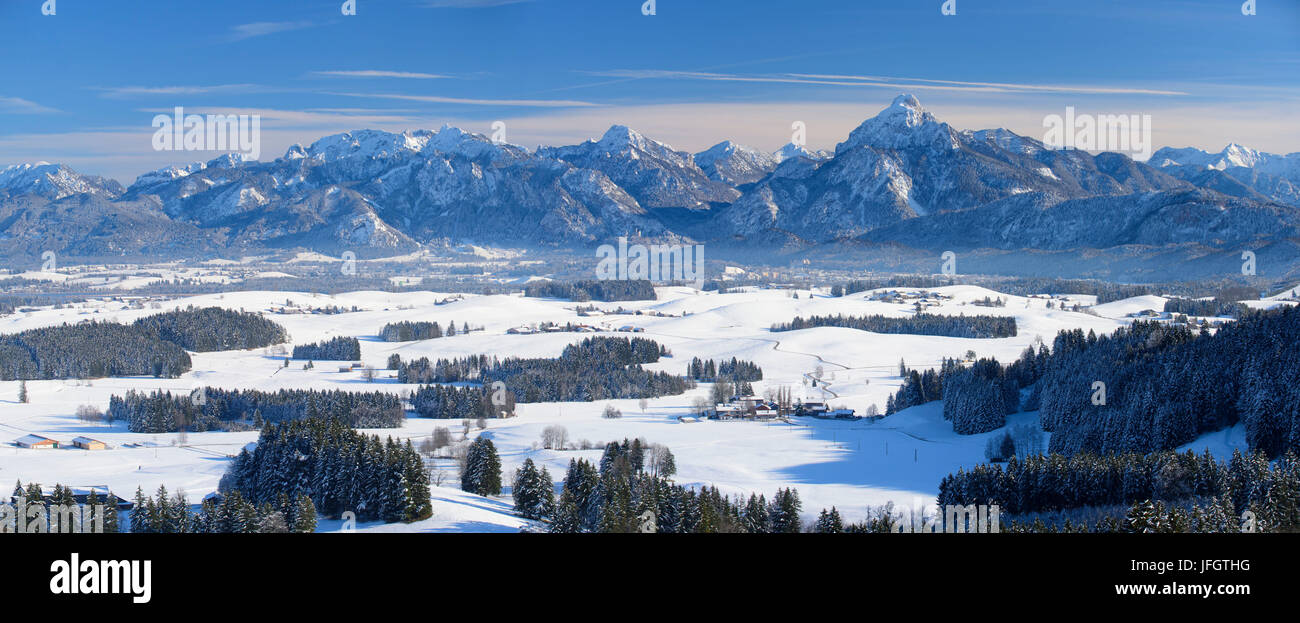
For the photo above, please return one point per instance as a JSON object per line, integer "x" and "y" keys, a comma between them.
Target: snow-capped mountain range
{"x": 901, "y": 177}
{"x": 1238, "y": 171}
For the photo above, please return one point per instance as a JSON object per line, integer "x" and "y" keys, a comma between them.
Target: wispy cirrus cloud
{"x": 20, "y": 106}
{"x": 258, "y": 29}
{"x": 322, "y": 118}
{"x": 379, "y": 73}
{"x": 438, "y": 99}
{"x": 877, "y": 81}
{"x": 137, "y": 91}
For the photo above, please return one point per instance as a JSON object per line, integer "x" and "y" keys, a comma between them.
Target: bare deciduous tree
{"x": 555, "y": 437}
{"x": 441, "y": 438}
{"x": 89, "y": 413}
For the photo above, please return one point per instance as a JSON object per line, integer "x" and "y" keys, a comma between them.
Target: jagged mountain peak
{"x": 1006, "y": 139}
{"x": 620, "y": 138}
{"x": 904, "y": 123}
{"x": 734, "y": 163}
{"x": 54, "y": 181}
{"x": 791, "y": 150}
{"x": 1232, "y": 155}
{"x": 367, "y": 144}
{"x": 655, "y": 174}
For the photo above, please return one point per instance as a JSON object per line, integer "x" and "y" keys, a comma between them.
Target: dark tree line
{"x": 214, "y": 409}
{"x": 89, "y": 350}
{"x": 1195, "y": 493}
{"x": 1151, "y": 386}
{"x": 96, "y": 511}
{"x": 450, "y": 402}
{"x": 1204, "y": 307}
{"x": 1105, "y": 292}
{"x": 919, "y": 324}
{"x": 593, "y": 290}
{"x": 151, "y": 346}
{"x": 621, "y": 496}
{"x": 214, "y": 328}
{"x": 598, "y": 368}
{"x": 1165, "y": 385}
{"x": 341, "y": 348}
{"x": 339, "y": 469}
{"x": 735, "y": 370}
{"x": 407, "y": 331}
{"x": 978, "y": 397}
{"x": 230, "y": 513}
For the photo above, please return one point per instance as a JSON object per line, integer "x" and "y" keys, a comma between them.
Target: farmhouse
{"x": 811, "y": 408}
{"x": 86, "y": 443}
{"x": 36, "y": 442}
{"x": 745, "y": 406}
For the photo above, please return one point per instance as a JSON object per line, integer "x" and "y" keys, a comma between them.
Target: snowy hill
{"x": 849, "y": 464}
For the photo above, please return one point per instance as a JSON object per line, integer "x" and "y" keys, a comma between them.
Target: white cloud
{"x": 438, "y": 99}
{"x": 258, "y": 29}
{"x": 379, "y": 73}
{"x": 20, "y": 106}
{"x": 134, "y": 91}
{"x": 878, "y": 81}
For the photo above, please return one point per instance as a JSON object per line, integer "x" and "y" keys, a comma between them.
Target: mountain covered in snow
{"x": 54, "y": 181}
{"x": 653, "y": 173}
{"x": 904, "y": 164}
{"x": 735, "y": 164}
{"x": 901, "y": 177}
{"x": 1236, "y": 170}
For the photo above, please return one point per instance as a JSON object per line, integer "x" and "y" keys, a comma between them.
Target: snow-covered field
{"x": 852, "y": 465}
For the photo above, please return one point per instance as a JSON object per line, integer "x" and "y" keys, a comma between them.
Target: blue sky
{"x": 82, "y": 86}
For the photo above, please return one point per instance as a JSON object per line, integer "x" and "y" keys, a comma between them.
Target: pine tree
{"x": 22, "y": 392}
{"x": 829, "y": 522}
{"x": 111, "y": 524}
{"x": 304, "y": 514}
{"x": 394, "y": 498}
{"x": 1142, "y": 517}
{"x": 567, "y": 518}
{"x": 784, "y": 512}
{"x": 139, "y": 519}
{"x": 482, "y": 474}
{"x": 418, "y": 503}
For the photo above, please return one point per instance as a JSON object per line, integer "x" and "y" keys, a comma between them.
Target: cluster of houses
{"x": 553, "y": 328}
{"x": 753, "y": 407}
{"x": 824, "y": 411}
{"x": 745, "y": 407}
{"x": 569, "y": 327}
{"x": 38, "y": 442}
{"x": 922, "y": 299}
{"x": 1174, "y": 319}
